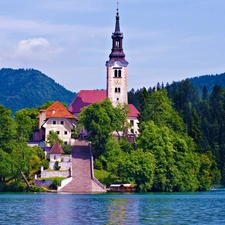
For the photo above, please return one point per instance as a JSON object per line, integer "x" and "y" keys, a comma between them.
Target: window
{"x": 117, "y": 90}
{"x": 50, "y": 132}
{"x": 117, "y": 99}
{"x": 54, "y": 122}
{"x": 58, "y": 132}
{"x": 117, "y": 44}
{"x": 120, "y": 72}
{"x": 61, "y": 122}
{"x": 132, "y": 131}
{"x": 65, "y": 132}
{"x": 115, "y": 73}
{"x": 65, "y": 142}
{"x": 132, "y": 123}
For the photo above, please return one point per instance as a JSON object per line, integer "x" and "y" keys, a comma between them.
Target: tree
{"x": 144, "y": 106}
{"x": 139, "y": 169}
{"x": 53, "y": 137}
{"x": 7, "y": 130}
{"x": 5, "y": 166}
{"x": 100, "y": 120}
{"x": 176, "y": 165}
{"x": 205, "y": 93}
{"x": 162, "y": 113}
{"x": 27, "y": 122}
{"x": 194, "y": 130}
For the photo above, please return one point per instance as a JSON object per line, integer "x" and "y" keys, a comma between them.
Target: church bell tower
{"x": 117, "y": 68}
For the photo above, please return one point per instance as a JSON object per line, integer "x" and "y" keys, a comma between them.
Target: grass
{"x": 102, "y": 176}
{"x": 52, "y": 178}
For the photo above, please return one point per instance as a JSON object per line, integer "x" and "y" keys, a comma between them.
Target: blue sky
{"x": 70, "y": 40}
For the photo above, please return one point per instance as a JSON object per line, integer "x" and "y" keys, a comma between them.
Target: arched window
{"x": 116, "y": 90}
{"x": 115, "y": 73}
{"x": 120, "y": 72}
{"x": 117, "y": 44}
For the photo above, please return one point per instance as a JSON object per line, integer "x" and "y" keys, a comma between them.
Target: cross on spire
{"x": 117, "y": 8}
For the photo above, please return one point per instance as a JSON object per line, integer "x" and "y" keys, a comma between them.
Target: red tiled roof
{"x": 133, "y": 112}
{"x": 87, "y": 97}
{"x": 56, "y": 149}
{"x": 57, "y": 110}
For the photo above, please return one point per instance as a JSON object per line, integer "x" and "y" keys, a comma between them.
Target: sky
{"x": 70, "y": 40}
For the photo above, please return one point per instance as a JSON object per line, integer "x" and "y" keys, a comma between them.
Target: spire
{"x": 117, "y": 27}
{"x": 117, "y": 53}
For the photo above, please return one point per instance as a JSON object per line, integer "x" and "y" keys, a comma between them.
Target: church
{"x": 62, "y": 120}
{"x": 117, "y": 83}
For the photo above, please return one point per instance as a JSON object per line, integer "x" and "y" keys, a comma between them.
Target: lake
{"x": 151, "y": 208}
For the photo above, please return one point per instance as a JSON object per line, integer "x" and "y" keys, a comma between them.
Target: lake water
{"x": 152, "y": 208}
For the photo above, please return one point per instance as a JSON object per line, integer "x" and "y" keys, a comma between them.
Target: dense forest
{"x": 209, "y": 81}
{"x": 203, "y": 116}
{"x": 26, "y": 88}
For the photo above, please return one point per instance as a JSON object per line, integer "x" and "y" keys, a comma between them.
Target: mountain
{"x": 27, "y": 88}
{"x": 209, "y": 81}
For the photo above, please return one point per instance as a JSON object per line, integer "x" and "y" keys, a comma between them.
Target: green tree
{"x": 25, "y": 159}
{"x": 100, "y": 120}
{"x": 7, "y": 130}
{"x": 26, "y": 123}
{"x": 139, "y": 169}
{"x": 53, "y": 137}
{"x": 205, "y": 94}
{"x": 144, "y": 106}
{"x": 194, "y": 130}
{"x": 174, "y": 158}
{"x": 162, "y": 112}
{"x": 5, "y": 166}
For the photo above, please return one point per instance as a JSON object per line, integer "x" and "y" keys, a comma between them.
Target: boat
{"x": 122, "y": 188}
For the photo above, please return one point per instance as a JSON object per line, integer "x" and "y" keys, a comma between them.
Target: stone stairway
{"x": 83, "y": 180}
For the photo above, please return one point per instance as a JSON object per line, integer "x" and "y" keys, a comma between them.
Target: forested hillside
{"x": 29, "y": 88}
{"x": 203, "y": 115}
{"x": 209, "y": 81}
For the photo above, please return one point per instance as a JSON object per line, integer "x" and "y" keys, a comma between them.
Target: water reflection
{"x": 158, "y": 208}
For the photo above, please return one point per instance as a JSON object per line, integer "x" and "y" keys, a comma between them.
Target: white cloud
{"x": 35, "y": 49}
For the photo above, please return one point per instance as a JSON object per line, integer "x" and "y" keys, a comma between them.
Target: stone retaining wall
{"x": 65, "y": 165}
{"x": 48, "y": 174}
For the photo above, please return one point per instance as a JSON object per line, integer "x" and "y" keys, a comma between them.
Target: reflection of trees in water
{"x": 122, "y": 210}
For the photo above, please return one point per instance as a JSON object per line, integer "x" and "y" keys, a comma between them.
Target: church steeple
{"x": 117, "y": 28}
{"x": 117, "y": 68}
{"x": 117, "y": 43}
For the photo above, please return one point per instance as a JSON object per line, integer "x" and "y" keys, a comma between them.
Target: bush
{"x": 45, "y": 164}
{"x": 17, "y": 187}
{"x": 55, "y": 183}
{"x": 34, "y": 188}
{"x": 57, "y": 167}
{"x": 67, "y": 149}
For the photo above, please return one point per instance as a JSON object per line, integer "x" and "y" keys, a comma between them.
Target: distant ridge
{"x": 209, "y": 81}
{"x": 27, "y": 88}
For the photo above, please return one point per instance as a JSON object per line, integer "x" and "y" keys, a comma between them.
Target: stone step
{"x": 81, "y": 171}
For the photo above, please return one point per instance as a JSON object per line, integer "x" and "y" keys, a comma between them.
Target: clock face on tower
{"x": 118, "y": 81}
